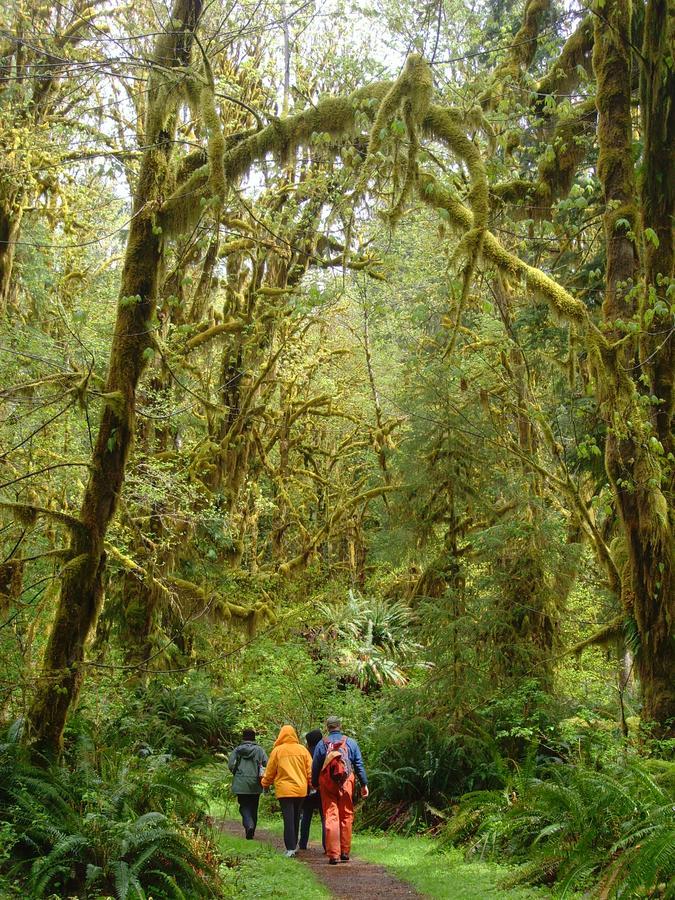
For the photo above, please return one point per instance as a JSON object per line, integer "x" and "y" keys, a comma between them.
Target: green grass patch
{"x": 440, "y": 873}
{"x": 254, "y": 869}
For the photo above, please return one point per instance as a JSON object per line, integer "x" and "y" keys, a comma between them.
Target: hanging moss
{"x": 521, "y": 53}
{"x": 412, "y": 90}
{"x": 336, "y": 116}
{"x": 563, "y": 76}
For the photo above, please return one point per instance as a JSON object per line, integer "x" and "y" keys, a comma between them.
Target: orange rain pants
{"x": 338, "y": 811}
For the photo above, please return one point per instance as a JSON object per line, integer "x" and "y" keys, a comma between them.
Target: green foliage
{"x": 119, "y": 829}
{"x": 576, "y": 826}
{"x": 422, "y": 765}
{"x": 197, "y": 720}
{"x": 189, "y": 720}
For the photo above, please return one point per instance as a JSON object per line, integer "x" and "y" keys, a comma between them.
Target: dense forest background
{"x": 337, "y": 376}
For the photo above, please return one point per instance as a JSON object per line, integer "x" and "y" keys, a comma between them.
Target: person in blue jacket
{"x": 338, "y": 798}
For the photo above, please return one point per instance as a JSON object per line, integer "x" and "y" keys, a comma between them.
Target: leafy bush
{"x": 577, "y": 826}
{"x": 118, "y": 832}
{"x": 422, "y": 765}
{"x": 197, "y": 720}
{"x": 188, "y": 721}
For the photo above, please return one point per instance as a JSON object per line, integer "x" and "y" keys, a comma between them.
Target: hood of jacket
{"x": 287, "y": 735}
{"x": 247, "y": 750}
{"x": 312, "y": 738}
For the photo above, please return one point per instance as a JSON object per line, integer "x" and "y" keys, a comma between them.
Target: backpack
{"x": 338, "y": 765}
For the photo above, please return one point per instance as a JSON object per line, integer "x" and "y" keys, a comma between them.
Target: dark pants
{"x": 311, "y": 804}
{"x": 290, "y": 810}
{"x": 248, "y": 809}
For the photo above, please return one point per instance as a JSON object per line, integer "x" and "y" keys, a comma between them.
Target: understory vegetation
{"x": 336, "y": 348}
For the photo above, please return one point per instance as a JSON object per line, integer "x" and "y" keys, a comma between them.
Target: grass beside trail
{"x": 257, "y": 870}
{"x": 440, "y": 873}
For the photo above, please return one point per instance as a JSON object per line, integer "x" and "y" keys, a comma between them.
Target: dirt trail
{"x": 355, "y": 880}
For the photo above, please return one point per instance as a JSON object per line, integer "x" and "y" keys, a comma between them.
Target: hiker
{"x": 290, "y": 770}
{"x": 336, "y": 759}
{"x": 312, "y": 802}
{"x": 247, "y": 763}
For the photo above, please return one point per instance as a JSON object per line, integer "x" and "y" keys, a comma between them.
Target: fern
{"x": 74, "y": 831}
{"x": 576, "y": 826}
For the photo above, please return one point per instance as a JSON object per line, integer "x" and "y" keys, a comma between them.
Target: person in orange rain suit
{"x": 338, "y": 799}
{"x": 289, "y": 769}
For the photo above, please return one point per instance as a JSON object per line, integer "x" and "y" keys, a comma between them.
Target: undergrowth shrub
{"x": 579, "y": 827}
{"x": 126, "y": 829}
{"x": 189, "y": 721}
{"x": 421, "y": 767}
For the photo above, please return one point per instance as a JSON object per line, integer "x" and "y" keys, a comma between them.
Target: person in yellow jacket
{"x": 289, "y": 769}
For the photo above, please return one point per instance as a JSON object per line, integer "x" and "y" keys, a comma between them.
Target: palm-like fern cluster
{"x": 372, "y": 640}
{"x": 117, "y": 830}
{"x": 578, "y": 827}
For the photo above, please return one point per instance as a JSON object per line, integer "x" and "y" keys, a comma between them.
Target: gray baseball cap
{"x": 333, "y": 723}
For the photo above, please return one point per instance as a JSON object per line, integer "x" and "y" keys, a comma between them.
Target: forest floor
{"x": 384, "y": 866}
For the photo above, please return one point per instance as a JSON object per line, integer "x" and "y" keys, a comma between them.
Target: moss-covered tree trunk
{"x": 654, "y": 576}
{"x": 82, "y": 580}
{"x": 10, "y": 227}
{"x": 658, "y": 208}
{"x": 634, "y": 462}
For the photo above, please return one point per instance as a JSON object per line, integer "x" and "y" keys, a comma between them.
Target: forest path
{"x": 355, "y": 880}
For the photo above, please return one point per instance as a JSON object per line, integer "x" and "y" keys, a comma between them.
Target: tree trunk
{"x": 656, "y": 609}
{"x": 634, "y": 464}
{"x": 10, "y": 227}
{"x": 658, "y": 207}
{"x": 82, "y": 580}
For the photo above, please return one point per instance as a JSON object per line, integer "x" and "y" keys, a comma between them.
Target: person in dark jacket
{"x": 312, "y": 802}
{"x": 247, "y": 763}
{"x": 338, "y": 798}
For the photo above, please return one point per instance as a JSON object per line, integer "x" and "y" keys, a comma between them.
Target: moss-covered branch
{"x": 29, "y": 513}
{"x": 607, "y": 634}
{"x": 521, "y": 53}
{"x": 557, "y": 165}
{"x": 562, "y": 303}
{"x": 563, "y": 76}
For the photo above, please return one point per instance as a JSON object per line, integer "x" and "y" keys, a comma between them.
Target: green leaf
{"x": 652, "y": 237}
{"x": 656, "y": 445}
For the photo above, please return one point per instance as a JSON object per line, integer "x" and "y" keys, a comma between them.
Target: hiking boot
{"x": 344, "y": 857}
{"x": 249, "y": 834}
{"x": 289, "y": 853}
{"x": 333, "y": 862}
